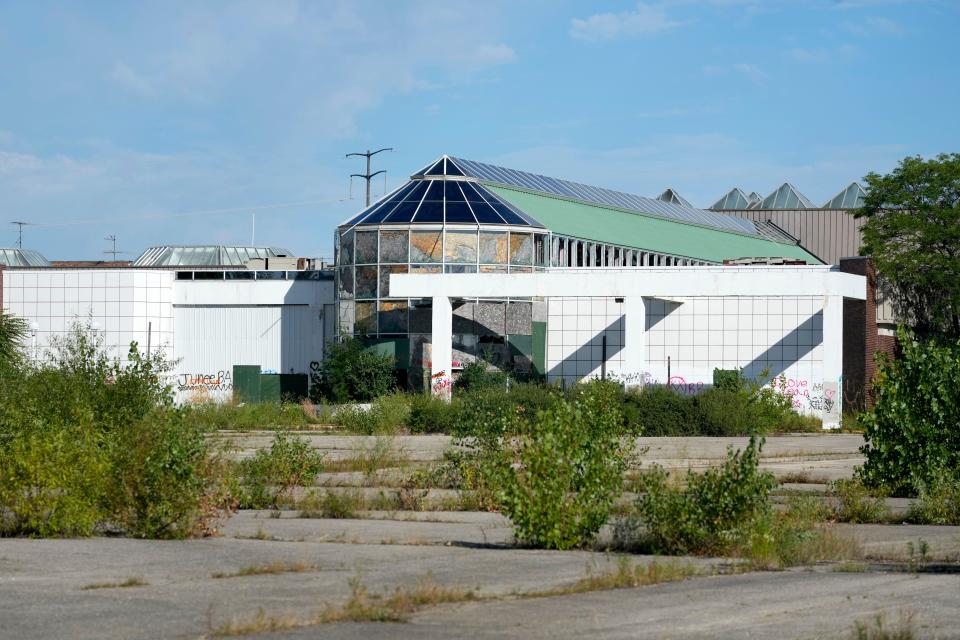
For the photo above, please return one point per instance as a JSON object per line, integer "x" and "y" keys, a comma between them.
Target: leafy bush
{"x": 657, "y": 410}
{"x": 385, "y": 415}
{"x": 351, "y": 371}
{"x": 269, "y": 477}
{"x": 158, "y": 476}
{"x": 477, "y": 375}
{"x": 911, "y": 433}
{"x": 489, "y": 413}
{"x": 13, "y": 337}
{"x": 86, "y": 442}
{"x": 51, "y": 483}
{"x": 938, "y": 500}
{"x": 556, "y": 476}
{"x": 710, "y": 515}
{"x": 857, "y": 503}
{"x": 433, "y": 415}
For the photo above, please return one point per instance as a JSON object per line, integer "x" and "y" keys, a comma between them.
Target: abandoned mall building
{"x": 547, "y": 278}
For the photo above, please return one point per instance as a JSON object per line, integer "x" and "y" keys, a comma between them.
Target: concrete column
{"x": 832, "y": 361}
{"x": 441, "y": 347}
{"x": 634, "y": 340}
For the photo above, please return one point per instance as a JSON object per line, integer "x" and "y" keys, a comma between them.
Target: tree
{"x": 13, "y": 335}
{"x": 353, "y": 371}
{"x": 912, "y": 232}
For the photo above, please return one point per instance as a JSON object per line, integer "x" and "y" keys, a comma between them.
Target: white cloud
{"x": 127, "y": 77}
{"x": 875, "y": 25}
{"x": 749, "y": 71}
{"x": 646, "y": 18}
{"x": 801, "y": 54}
{"x": 492, "y": 55}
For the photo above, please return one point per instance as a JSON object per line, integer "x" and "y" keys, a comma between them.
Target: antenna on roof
{"x": 113, "y": 250}
{"x": 367, "y": 176}
{"x": 20, "y": 225}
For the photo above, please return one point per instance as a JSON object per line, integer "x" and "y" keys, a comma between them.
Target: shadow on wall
{"x": 789, "y": 350}
{"x": 590, "y": 356}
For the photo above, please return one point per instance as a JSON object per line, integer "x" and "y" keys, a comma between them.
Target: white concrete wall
{"x": 121, "y": 303}
{"x": 781, "y": 334}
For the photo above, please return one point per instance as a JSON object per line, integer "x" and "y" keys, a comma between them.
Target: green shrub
{"x": 351, "y": 371}
{"x": 433, "y": 415}
{"x": 657, "y": 410}
{"x": 269, "y": 477}
{"x": 385, "y": 415}
{"x": 51, "y": 483}
{"x": 857, "y": 503}
{"x": 938, "y": 500}
{"x": 556, "y": 476}
{"x": 267, "y": 415}
{"x": 158, "y": 476}
{"x": 911, "y": 432}
{"x": 13, "y": 338}
{"x": 478, "y": 375}
{"x": 710, "y": 516}
{"x": 489, "y": 413}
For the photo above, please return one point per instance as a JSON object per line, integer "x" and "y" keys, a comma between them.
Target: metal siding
{"x": 210, "y": 340}
{"x": 830, "y": 234}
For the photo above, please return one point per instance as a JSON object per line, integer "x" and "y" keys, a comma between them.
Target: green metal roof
{"x": 612, "y": 226}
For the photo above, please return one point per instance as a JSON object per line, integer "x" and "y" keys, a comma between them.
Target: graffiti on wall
{"x": 805, "y": 395}
{"x": 205, "y": 382}
{"x": 441, "y": 384}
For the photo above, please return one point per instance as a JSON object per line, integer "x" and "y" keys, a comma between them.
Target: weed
{"x": 938, "y": 500}
{"x": 858, "y": 504}
{"x": 629, "y": 575}
{"x": 272, "y": 568}
{"x": 917, "y": 556}
{"x": 269, "y": 477}
{"x": 877, "y": 629}
{"x": 850, "y": 566}
{"x": 129, "y": 582}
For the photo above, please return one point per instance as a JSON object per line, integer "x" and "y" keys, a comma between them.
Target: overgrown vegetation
{"x": 269, "y": 477}
{"x": 247, "y": 417}
{"x": 557, "y": 473}
{"x": 728, "y": 511}
{"x": 911, "y": 434}
{"x": 87, "y": 443}
{"x": 352, "y": 371}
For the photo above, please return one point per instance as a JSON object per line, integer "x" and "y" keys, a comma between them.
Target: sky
{"x": 222, "y": 122}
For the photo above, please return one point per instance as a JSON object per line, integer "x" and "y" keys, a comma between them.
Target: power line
{"x": 184, "y": 214}
{"x": 368, "y": 176}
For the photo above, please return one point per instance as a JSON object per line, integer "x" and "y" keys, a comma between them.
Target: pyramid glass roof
{"x": 849, "y": 198}
{"x": 786, "y": 197}
{"x": 440, "y": 193}
{"x": 673, "y": 197}
{"x": 734, "y": 199}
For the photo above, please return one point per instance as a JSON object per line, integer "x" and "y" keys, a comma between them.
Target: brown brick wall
{"x": 861, "y": 339}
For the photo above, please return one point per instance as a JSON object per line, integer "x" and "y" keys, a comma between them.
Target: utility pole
{"x": 20, "y": 226}
{"x": 367, "y": 176}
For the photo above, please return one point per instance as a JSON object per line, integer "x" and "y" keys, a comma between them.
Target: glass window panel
{"x": 493, "y": 247}
{"x": 404, "y": 212}
{"x": 366, "y": 282}
{"x": 488, "y": 268}
{"x": 366, "y": 247}
{"x": 521, "y": 248}
{"x": 460, "y": 268}
{"x": 394, "y": 246}
{"x": 461, "y": 246}
{"x": 385, "y": 277}
{"x": 509, "y": 216}
{"x": 452, "y": 169}
{"x": 459, "y": 212}
{"x": 425, "y": 268}
{"x": 366, "y": 318}
{"x": 346, "y": 248}
{"x": 539, "y": 250}
{"x": 485, "y": 213}
{"x": 430, "y": 211}
{"x": 437, "y": 169}
{"x": 426, "y": 246}
{"x": 393, "y": 317}
{"x": 515, "y": 269}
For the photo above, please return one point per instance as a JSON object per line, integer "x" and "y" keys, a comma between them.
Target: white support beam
{"x": 670, "y": 282}
{"x": 441, "y": 347}
{"x": 635, "y": 339}
{"x": 832, "y": 361}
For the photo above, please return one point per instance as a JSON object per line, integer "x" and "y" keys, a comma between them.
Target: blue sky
{"x": 169, "y": 122}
